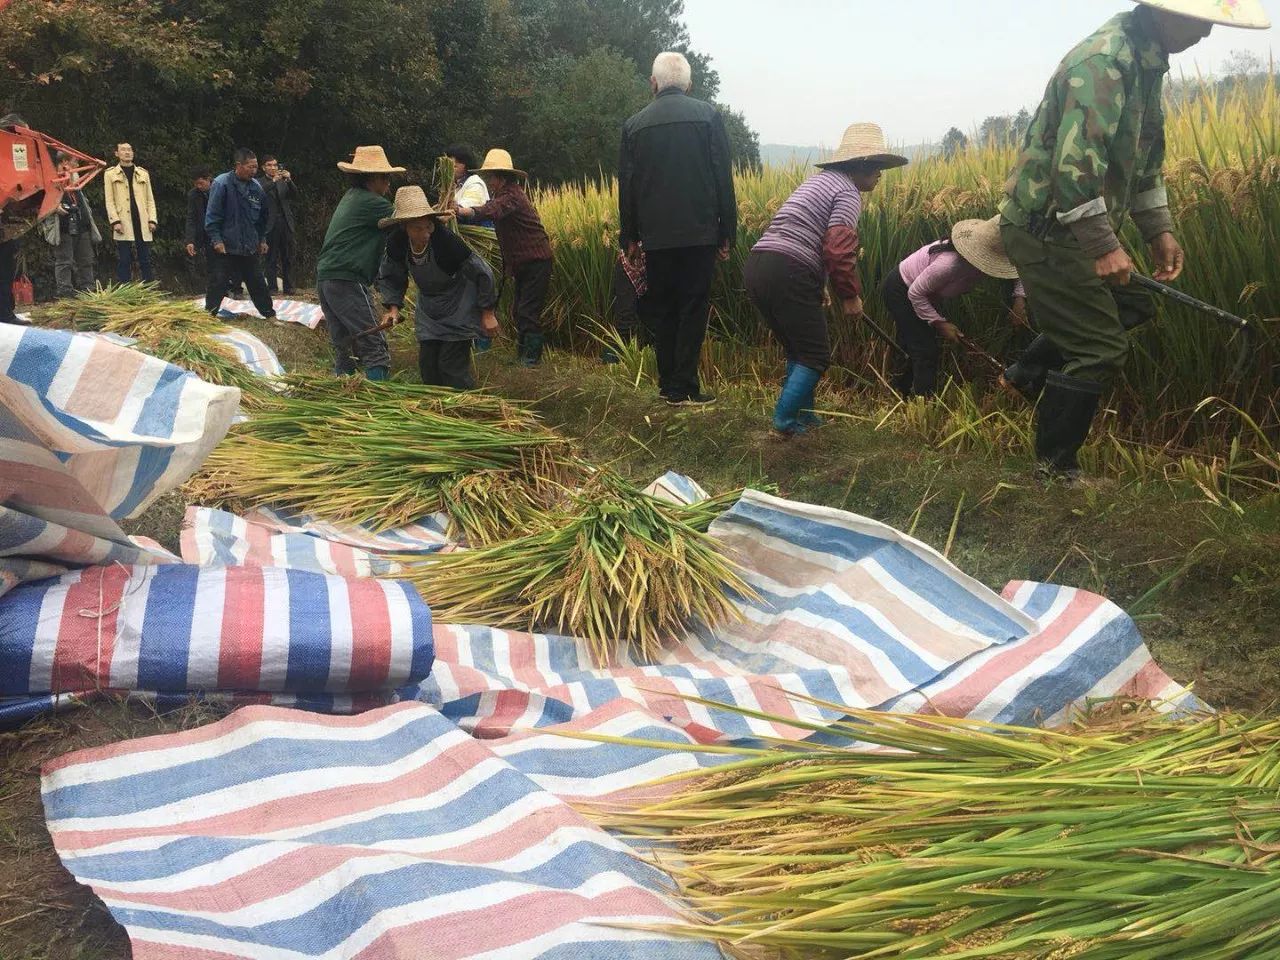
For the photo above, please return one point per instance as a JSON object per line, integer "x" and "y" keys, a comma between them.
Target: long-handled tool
{"x": 1249, "y": 333}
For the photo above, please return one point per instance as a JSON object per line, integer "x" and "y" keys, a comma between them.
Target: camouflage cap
{"x": 1233, "y": 13}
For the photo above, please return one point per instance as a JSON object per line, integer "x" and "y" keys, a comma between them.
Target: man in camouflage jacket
{"x": 1093, "y": 157}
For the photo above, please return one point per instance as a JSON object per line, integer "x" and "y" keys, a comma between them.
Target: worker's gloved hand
{"x": 1168, "y": 256}
{"x": 948, "y": 331}
{"x": 1114, "y": 267}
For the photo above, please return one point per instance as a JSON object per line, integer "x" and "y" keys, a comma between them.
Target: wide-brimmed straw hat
{"x": 369, "y": 160}
{"x": 499, "y": 161}
{"x": 411, "y": 203}
{"x": 1248, "y": 14}
{"x": 978, "y": 241}
{"x": 864, "y": 143}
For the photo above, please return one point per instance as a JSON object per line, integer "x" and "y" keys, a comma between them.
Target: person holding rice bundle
{"x": 456, "y": 291}
{"x": 526, "y": 249}
{"x": 913, "y": 294}
{"x": 1092, "y": 159}
{"x": 348, "y": 265}
{"x": 813, "y": 238}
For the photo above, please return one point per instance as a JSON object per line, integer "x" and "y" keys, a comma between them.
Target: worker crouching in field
{"x": 456, "y": 292}
{"x": 914, "y": 293}
{"x": 1093, "y": 156}
{"x": 348, "y": 265}
{"x": 813, "y": 237}
{"x": 526, "y": 249}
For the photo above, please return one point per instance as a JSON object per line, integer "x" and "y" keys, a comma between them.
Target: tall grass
{"x": 1224, "y": 178}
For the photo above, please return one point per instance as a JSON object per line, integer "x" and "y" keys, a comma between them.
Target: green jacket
{"x": 1095, "y": 149}
{"x": 353, "y": 243}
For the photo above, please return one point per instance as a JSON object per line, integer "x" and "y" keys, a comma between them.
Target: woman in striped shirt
{"x": 813, "y": 237}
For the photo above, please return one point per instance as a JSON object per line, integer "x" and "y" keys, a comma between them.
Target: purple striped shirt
{"x": 827, "y": 199}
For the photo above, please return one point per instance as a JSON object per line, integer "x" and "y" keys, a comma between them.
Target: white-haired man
{"x": 676, "y": 202}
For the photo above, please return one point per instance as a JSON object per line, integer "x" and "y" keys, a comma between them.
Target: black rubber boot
{"x": 1063, "y": 419}
{"x": 1027, "y": 374}
{"x": 531, "y": 350}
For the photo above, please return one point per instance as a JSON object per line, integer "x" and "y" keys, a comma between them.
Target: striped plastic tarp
{"x": 287, "y": 311}
{"x": 278, "y": 835}
{"x": 180, "y": 630}
{"x": 91, "y": 433}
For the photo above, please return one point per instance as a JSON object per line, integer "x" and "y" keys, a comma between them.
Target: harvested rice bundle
{"x": 385, "y": 454}
{"x": 616, "y": 567}
{"x": 1152, "y": 839}
{"x": 176, "y": 331}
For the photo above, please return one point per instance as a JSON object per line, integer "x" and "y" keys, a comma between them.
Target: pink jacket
{"x": 933, "y": 275}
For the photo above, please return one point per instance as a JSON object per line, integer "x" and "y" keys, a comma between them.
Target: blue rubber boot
{"x": 377, "y": 373}
{"x": 797, "y": 390}
{"x": 481, "y": 344}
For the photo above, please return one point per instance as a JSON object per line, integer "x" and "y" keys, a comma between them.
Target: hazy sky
{"x": 802, "y": 70}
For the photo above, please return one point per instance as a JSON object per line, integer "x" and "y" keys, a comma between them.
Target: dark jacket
{"x": 675, "y": 177}
{"x": 454, "y": 285}
{"x": 237, "y": 214}
{"x": 280, "y": 196}
{"x": 197, "y": 207}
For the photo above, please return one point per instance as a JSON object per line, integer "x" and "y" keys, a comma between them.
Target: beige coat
{"x": 116, "y": 203}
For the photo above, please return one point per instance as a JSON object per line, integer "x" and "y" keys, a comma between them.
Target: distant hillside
{"x": 784, "y": 154}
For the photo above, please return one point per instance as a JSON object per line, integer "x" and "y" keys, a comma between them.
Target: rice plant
{"x": 176, "y": 331}
{"x": 1134, "y": 836}
{"x": 615, "y": 567}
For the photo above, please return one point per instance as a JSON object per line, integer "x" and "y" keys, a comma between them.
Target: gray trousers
{"x": 348, "y": 311}
{"x": 73, "y": 264}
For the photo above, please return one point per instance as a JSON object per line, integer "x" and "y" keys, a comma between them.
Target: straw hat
{"x": 411, "y": 203}
{"x": 865, "y": 142}
{"x": 369, "y": 160}
{"x": 499, "y": 161}
{"x": 1234, "y": 13}
{"x": 978, "y": 241}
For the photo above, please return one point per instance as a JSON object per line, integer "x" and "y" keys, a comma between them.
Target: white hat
{"x": 978, "y": 241}
{"x": 369, "y": 160}
{"x": 1233, "y": 13}
{"x": 411, "y": 203}
{"x": 865, "y": 143}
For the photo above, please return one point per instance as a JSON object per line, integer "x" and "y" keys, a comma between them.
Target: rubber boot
{"x": 377, "y": 373}
{"x": 797, "y": 390}
{"x": 1063, "y": 418}
{"x": 482, "y": 344}
{"x": 531, "y": 350}
{"x": 1027, "y": 374}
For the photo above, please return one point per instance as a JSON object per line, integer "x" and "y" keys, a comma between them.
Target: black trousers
{"x": 280, "y": 259}
{"x": 235, "y": 268}
{"x": 626, "y": 307}
{"x": 788, "y": 295}
{"x": 675, "y": 310}
{"x": 917, "y": 375}
{"x": 533, "y": 280}
{"x": 446, "y": 363}
{"x": 8, "y": 273}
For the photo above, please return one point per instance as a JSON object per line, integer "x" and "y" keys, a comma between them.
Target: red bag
{"x": 24, "y": 293}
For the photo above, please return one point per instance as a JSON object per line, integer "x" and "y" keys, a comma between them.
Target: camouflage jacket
{"x": 1095, "y": 148}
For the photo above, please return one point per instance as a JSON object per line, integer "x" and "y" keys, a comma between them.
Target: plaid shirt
{"x": 520, "y": 235}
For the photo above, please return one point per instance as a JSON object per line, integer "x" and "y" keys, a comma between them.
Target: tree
{"x": 954, "y": 143}
{"x": 744, "y": 143}
{"x": 1021, "y": 124}
{"x": 995, "y": 130}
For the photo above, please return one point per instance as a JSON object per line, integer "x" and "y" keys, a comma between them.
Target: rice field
{"x": 1224, "y": 179}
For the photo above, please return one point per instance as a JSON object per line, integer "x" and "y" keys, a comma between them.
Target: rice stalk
{"x": 1131, "y": 836}
{"x": 623, "y": 570}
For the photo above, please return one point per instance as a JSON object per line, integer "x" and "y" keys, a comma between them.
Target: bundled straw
{"x": 1144, "y": 840}
{"x": 618, "y": 566}
{"x": 176, "y": 331}
{"x": 387, "y": 454}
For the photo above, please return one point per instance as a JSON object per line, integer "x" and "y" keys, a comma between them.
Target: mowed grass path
{"x": 1204, "y": 580}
